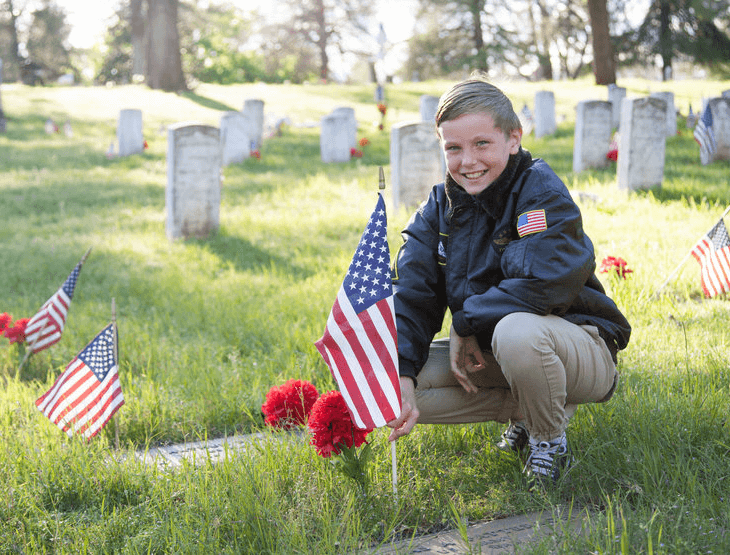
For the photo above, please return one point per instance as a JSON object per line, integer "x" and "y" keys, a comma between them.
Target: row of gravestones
{"x": 195, "y": 155}
{"x": 417, "y": 161}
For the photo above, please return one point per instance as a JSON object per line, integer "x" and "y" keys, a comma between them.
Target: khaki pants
{"x": 539, "y": 370}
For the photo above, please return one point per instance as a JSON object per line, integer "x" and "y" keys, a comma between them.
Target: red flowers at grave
{"x": 382, "y": 108}
{"x": 331, "y": 426}
{"x": 15, "y": 332}
{"x": 364, "y": 142}
{"x": 289, "y": 405}
{"x": 145, "y": 145}
{"x": 355, "y": 153}
{"x": 615, "y": 266}
{"x": 256, "y": 154}
{"x": 612, "y": 154}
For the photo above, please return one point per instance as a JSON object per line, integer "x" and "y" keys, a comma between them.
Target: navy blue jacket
{"x": 475, "y": 256}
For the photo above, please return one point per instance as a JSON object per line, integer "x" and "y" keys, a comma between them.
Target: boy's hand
{"x": 409, "y": 411}
{"x": 465, "y": 356}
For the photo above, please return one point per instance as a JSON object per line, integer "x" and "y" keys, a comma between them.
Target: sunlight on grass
{"x": 208, "y": 326}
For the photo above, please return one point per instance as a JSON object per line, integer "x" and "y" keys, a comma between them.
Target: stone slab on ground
{"x": 488, "y": 538}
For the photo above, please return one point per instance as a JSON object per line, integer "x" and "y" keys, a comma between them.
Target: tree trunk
{"x": 323, "y": 37}
{"x": 138, "y": 37}
{"x": 164, "y": 63}
{"x": 604, "y": 65}
{"x": 665, "y": 41}
{"x": 476, "y": 7}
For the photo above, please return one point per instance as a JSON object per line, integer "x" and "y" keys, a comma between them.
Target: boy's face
{"x": 476, "y": 151}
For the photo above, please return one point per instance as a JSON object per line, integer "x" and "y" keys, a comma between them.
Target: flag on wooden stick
{"x": 88, "y": 393}
{"x": 45, "y": 328}
{"x": 712, "y": 251}
{"x": 359, "y": 343}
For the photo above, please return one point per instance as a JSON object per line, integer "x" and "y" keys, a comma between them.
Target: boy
{"x": 501, "y": 244}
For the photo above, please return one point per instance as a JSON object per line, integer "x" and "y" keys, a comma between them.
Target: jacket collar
{"x": 493, "y": 198}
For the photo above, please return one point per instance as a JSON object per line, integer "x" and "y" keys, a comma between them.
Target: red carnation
{"x": 614, "y": 264}
{"x": 332, "y": 427}
{"x": 364, "y": 141}
{"x": 16, "y": 334}
{"x": 382, "y": 108}
{"x": 355, "y": 153}
{"x": 5, "y": 320}
{"x": 288, "y": 405}
{"x": 612, "y": 155}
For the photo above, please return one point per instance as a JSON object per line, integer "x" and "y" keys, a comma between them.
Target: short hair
{"x": 476, "y": 95}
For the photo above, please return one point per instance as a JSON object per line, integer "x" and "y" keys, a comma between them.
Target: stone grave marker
{"x": 720, "y": 109}
{"x": 416, "y": 162}
{"x": 428, "y": 104}
{"x": 235, "y": 133}
{"x": 254, "y": 109}
{"x": 544, "y": 117}
{"x": 335, "y": 137}
{"x": 129, "y": 132}
{"x": 193, "y": 194}
{"x": 642, "y": 144}
{"x": 726, "y": 94}
{"x": 668, "y": 97}
{"x": 593, "y": 127}
{"x": 615, "y": 95}
{"x": 349, "y": 113}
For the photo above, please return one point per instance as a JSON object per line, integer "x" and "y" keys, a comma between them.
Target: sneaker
{"x": 514, "y": 438}
{"x": 548, "y": 460}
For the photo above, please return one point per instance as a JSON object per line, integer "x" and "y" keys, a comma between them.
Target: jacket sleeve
{"x": 543, "y": 271}
{"x": 418, "y": 289}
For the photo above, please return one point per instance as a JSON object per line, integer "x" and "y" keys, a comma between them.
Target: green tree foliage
{"x": 673, "y": 29}
{"x": 116, "y": 66}
{"x": 47, "y": 43}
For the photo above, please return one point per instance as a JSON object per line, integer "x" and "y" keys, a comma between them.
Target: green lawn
{"x": 208, "y": 326}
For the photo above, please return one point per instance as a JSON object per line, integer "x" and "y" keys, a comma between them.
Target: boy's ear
{"x": 515, "y": 138}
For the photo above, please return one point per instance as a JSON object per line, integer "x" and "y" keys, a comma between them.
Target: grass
{"x": 208, "y": 326}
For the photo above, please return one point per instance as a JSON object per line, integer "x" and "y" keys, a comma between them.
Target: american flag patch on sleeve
{"x": 533, "y": 221}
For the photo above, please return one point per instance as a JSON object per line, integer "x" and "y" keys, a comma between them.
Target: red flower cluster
{"x": 612, "y": 154}
{"x": 364, "y": 141}
{"x": 355, "y": 153}
{"x": 289, "y": 405}
{"x": 382, "y": 108}
{"x": 16, "y": 332}
{"x": 613, "y": 264}
{"x": 256, "y": 154}
{"x": 332, "y": 427}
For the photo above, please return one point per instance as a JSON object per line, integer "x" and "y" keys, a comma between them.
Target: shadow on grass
{"x": 208, "y": 102}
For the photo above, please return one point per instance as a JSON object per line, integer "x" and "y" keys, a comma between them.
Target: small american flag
{"x": 713, "y": 254}
{"x": 531, "y": 222}
{"x": 360, "y": 340}
{"x": 705, "y": 137}
{"x": 45, "y": 328}
{"x": 88, "y": 393}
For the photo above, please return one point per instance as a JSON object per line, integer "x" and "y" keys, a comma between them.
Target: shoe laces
{"x": 544, "y": 453}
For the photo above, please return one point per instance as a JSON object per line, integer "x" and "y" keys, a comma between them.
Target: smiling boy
{"x": 500, "y": 244}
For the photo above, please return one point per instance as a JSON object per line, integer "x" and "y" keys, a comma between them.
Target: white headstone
{"x": 720, "y": 109}
{"x": 193, "y": 194}
{"x": 428, "y": 105}
{"x": 642, "y": 144}
{"x": 668, "y": 97}
{"x": 593, "y": 127}
{"x": 416, "y": 162}
{"x": 544, "y": 113}
{"x": 254, "y": 109}
{"x": 349, "y": 113}
{"x": 334, "y": 138}
{"x": 615, "y": 95}
{"x": 129, "y": 132}
{"x": 235, "y": 132}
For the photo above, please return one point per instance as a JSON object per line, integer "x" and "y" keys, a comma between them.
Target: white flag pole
{"x": 686, "y": 257}
{"x": 395, "y": 469}
{"x": 116, "y": 361}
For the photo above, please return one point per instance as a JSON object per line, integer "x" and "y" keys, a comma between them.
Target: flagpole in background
{"x": 116, "y": 359}
{"x": 39, "y": 334}
{"x": 686, "y": 257}
{"x": 394, "y": 463}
